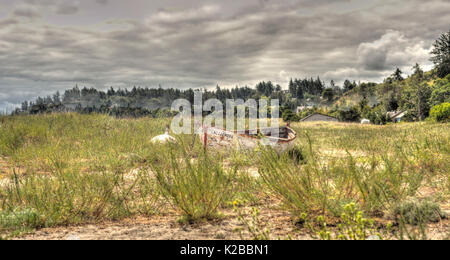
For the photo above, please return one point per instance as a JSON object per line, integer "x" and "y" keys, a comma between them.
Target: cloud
{"x": 102, "y": 2}
{"x": 191, "y": 15}
{"x": 66, "y": 8}
{"x": 392, "y": 49}
{"x": 8, "y": 22}
{"x": 26, "y": 12}
{"x": 60, "y": 7}
{"x": 377, "y": 59}
{"x": 205, "y": 44}
{"x": 41, "y": 2}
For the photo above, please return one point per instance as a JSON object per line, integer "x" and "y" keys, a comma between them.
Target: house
{"x": 319, "y": 117}
{"x": 396, "y": 116}
{"x": 302, "y": 108}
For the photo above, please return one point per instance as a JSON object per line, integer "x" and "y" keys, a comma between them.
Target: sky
{"x": 51, "y": 45}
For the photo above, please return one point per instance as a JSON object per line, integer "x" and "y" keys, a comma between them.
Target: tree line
{"x": 417, "y": 94}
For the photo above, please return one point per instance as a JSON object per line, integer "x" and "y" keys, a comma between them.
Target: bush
{"x": 22, "y": 219}
{"x": 296, "y": 154}
{"x": 440, "y": 91}
{"x": 381, "y": 187}
{"x": 197, "y": 188}
{"x": 301, "y": 187}
{"x": 350, "y": 115}
{"x": 419, "y": 212}
{"x": 441, "y": 113}
{"x": 65, "y": 198}
{"x": 289, "y": 116}
{"x": 353, "y": 226}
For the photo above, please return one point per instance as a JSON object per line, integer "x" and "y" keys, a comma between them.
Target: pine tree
{"x": 25, "y": 106}
{"x": 348, "y": 85}
{"x": 418, "y": 72}
{"x": 441, "y": 55}
{"x": 398, "y": 75}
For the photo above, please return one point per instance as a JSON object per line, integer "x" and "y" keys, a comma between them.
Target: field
{"x": 70, "y": 176}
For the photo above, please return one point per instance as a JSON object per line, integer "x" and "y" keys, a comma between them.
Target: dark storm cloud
{"x": 26, "y": 11}
{"x": 102, "y": 2}
{"x": 60, "y": 7}
{"x": 67, "y": 8}
{"x": 208, "y": 44}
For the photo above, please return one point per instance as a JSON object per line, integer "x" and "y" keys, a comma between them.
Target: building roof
{"x": 306, "y": 118}
{"x": 399, "y": 114}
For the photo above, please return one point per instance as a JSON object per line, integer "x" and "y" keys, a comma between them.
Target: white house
{"x": 303, "y": 108}
{"x": 397, "y": 116}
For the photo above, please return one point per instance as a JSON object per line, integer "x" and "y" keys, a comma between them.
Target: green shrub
{"x": 380, "y": 188}
{"x": 22, "y": 219}
{"x": 303, "y": 188}
{"x": 196, "y": 187}
{"x": 415, "y": 212}
{"x": 289, "y": 116}
{"x": 70, "y": 197}
{"x": 353, "y": 226}
{"x": 349, "y": 115}
{"x": 256, "y": 226}
{"x": 296, "y": 154}
{"x": 441, "y": 113}
{"x": 441, "y": 91}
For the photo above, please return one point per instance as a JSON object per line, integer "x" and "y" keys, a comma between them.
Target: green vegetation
{"x": 419, "y": 212}
{"x": 353, "y": 226}
{"x": 65, "y": 169}
{"x": 197, "y": 188}
{"x": 441, "y": 55}
{"x": 59, "y": 169}
{"x": 441, "y": 113}
{"x": 415, "y": 94}
{"x": 255, "y": 226}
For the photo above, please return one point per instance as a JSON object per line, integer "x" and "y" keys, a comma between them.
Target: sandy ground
{"x": 168, "y": 228}
{"x": 4, "y": 172}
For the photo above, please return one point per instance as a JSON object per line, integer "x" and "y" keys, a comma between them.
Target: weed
{"x": 255, "y": 226}
{"x": 197, "y": 188}
{"x": 73, "y": 169}
{"x": 296, "y": 154}
{"x": 21, "y": 219}
{"x": 414, "y": 212}
{"x": 353, "y": 226}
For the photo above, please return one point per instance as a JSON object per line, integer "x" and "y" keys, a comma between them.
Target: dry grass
{"x": 107, "y": 161}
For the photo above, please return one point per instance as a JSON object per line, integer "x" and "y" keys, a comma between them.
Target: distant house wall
{"x": 319, "y": 117}
{"x": 302, "y": 108}
{"x": 397, "y": 117}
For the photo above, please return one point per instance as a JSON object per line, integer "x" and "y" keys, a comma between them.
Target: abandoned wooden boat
{"x": 220, "y": 138}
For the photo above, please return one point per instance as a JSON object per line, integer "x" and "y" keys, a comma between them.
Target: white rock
{"x": 365, "y": 121}
{"x": 373, "y": 238}
{"x": 73, "y": 238}
{"x": 162, "y": 139}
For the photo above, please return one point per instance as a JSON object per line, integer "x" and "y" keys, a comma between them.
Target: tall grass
{"x": 64, "y": 169}
{"x": 68, "y": 197}
{"x": 323, "y": 185}
{"x": 305, "y": 189}
{"x": 73, "y": 169}
{"x": 196, "y": 187}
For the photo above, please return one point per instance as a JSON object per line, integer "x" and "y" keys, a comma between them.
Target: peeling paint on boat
{"x": 220, "y": 138}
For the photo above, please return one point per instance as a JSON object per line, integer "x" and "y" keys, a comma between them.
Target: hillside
{"x": 416, "y": 94}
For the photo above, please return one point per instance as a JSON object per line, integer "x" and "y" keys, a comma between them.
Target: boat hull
{"x": 217, "y": 138}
